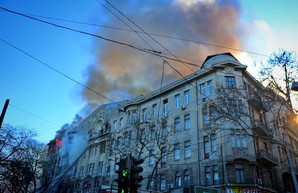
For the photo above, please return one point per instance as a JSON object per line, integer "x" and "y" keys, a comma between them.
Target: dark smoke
{"x": 121, "y": 72}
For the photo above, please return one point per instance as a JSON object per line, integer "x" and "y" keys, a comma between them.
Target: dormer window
{"x": 230, "y": 82}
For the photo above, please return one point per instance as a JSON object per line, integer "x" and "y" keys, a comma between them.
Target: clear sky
{"x": 45, "y": 100}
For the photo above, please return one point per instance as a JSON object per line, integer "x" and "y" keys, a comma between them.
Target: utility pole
{"x": 3, "y": 112}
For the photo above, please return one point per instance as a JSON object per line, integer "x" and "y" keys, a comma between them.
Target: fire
{"x": 58, "y": 142}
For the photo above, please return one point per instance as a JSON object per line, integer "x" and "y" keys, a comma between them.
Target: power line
{"x": 153, "y": 34}
{"x": 187, "y": 81}
{"x": 56, "y": 70}
{"x": 149, "y": 35}
{"x": 98, "y": 36}
{"x": 34, "y": 115}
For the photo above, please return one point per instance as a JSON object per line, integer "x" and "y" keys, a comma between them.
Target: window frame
{"x": 187, "y": 121}
{"x": 230, "y": 81}
{"x": 187, "y": 149}
{"x": 177, "y": 101}
{"x": 186, "y": 97}
{"x": 177, "y": 125}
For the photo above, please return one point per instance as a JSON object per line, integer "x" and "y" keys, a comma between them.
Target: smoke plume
{"x": 121, "y": 72}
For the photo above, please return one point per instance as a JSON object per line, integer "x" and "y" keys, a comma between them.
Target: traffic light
{"x": 135, "y": 178}
{"x": 123, "y": 175}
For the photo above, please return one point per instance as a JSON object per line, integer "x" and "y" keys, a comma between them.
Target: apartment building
{"x": 217, "y": 128}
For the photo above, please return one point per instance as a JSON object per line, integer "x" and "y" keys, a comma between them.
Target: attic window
{"x": 230, "y": 82}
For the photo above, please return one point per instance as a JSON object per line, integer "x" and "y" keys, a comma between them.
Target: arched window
{"x": 178, "y": 182}
{"x": 186, "y": 178}
{"x": 99, "y": 128}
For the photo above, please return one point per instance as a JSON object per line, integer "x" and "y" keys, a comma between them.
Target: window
{"x": 178, "y": 181}
{"x": 143, "y": 136}
{"x": 102, "y": 147}
{"x": 205, "y": 115}
{"x": 208, "y": 114}
{"x": 210, "y": 87}
{"x": 153, "y": 133}
{"x": 164, "y": 129}
{"x": 95, "y": 150}
{"x": 154, "y": 111}
{"x": 81, "y": 171}
{"x": 126, "y": 137}
{"x": 213, "y": 142}
{"x": 121, "y": 124}
{"x": 207, "y": 175}
{"x": 230, "y": 82}
{"x": 144, "y": 113}
{"x": 115, "y": 125}
{"x": 177, "y": 152}
{"x": 186, "y": 97}
{"x": 152, "y": 182}
{"x": 163, "y": 184}
{"x": 239, "y": 173}
{"x": 239, "y": 139}
{"x": 209, "y": 145}
{"x": 129, "y": 117}
{"x": 119, "y": 143}
{"x": 163, "y": 157}
{"x": 211, "y": 114}
{"x": 203, "y": 92}
{"x": 177, "y": 124}
{"x": 215, "y": 174}
{"x": 177, "y": 101}
{"x": 187, "y": 121}
{"x": 187, "y": 149}
{"x": 108, "y": 170}
{"x": 134, "y": 117}
{"x": 165, "y": 108}
{"x": 91, "y": 168}
{"x": 206, "y": 147}
{"x": 186, "y": 178}
{"x": 112, "y": 147}
{"x": 232, "y": 106}
{"x": 100, "y": 166}
{"x": 116, "y": 167}
{"x": 151, "y": 157}
{"x": 240, "y": 106}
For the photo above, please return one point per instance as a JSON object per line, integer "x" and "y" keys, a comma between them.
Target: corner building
{"x": 217, "y": 128}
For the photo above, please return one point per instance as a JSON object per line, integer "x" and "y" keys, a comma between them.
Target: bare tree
{"x": 150, "y": 139}
{"x": 279, "y": 74}
{"x": 19, "y": 160}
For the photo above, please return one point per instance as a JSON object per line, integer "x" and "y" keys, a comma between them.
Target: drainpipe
{"x": 198, "y": 133}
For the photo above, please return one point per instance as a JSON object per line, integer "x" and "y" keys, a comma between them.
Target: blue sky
{"x": 44, "y": 100}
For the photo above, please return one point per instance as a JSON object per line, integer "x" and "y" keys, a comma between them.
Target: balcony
{"x": 255, "y": 100}
{"x": 266, "y": 158}
{"x": 260, "y": 128}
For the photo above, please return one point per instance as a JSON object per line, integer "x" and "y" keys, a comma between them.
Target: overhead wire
{"x": 56, "y": 70}
{"x": 97, "y": 36}
{"x": 149, "y": 36}
{"x": 153, "y": 34}
{"x": 114, "y": 41}
{"x": 177, "y": 71}
{"x": 32, "y": 114}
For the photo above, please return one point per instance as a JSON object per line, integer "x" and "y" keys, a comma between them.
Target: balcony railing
{"x": 261, "y": 128}
{"x": 266, "y": 157}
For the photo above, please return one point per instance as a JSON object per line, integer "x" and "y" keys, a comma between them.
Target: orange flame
{"x": 58, "y": 142}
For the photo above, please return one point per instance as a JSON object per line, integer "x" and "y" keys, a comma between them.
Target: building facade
{"x": 217, "y": 128}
